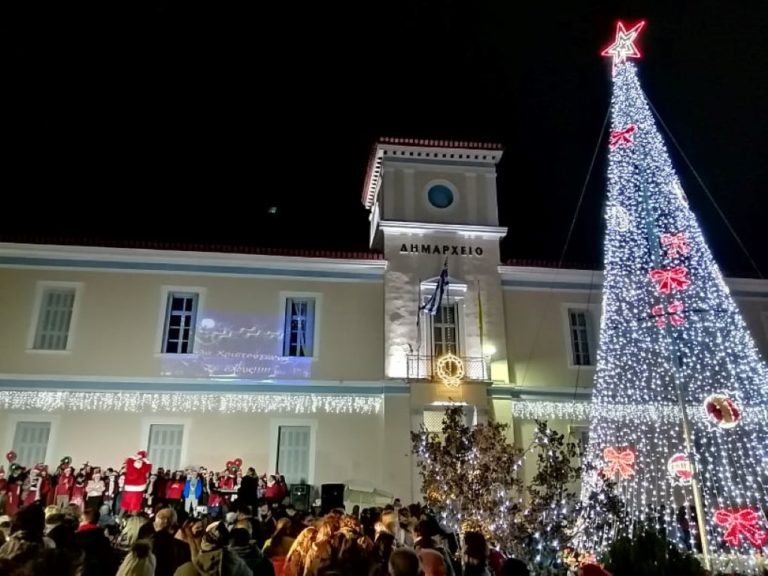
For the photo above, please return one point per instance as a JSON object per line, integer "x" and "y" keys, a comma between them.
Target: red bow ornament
{"x": 739, "y": 523}
{"x": 621, "y": 462}
{"x": 675, "y": 244}
{"x": 622, "y": 138}
{"x": 675, "y": 310}
{"x": 670, "y": 279}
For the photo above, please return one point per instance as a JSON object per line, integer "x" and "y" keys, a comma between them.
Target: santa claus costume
{"x": 137, "y": 470}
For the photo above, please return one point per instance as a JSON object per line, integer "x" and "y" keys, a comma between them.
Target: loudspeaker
{"x": 331, "y": 496}
{"x": 300, "y": 497}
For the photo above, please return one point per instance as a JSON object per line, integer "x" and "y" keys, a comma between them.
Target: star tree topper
{"x": 623, "y": 46}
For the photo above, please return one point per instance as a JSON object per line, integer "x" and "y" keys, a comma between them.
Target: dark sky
{"x": 186, "y": 121}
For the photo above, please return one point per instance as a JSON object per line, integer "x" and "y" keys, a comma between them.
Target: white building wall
{"x": 406, "y": 270}
{"x": 373, "y": 449}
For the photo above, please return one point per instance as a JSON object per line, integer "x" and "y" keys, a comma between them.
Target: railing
{"x": 476, "y": 368}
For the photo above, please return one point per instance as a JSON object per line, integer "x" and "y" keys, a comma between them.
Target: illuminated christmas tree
{"x": 671, "y": 336}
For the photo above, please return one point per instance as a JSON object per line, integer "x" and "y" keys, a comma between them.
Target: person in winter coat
{"x": 240, "y": 543}
{"x": 475, "y": 555}
{"x": 139, "y": 562}
{"x": 213, "y": 558}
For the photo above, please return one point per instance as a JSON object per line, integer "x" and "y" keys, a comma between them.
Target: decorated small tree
{"x": 546, "y": 523}
{"x": 471, "y": 480}
{"x": 469, "y": 474}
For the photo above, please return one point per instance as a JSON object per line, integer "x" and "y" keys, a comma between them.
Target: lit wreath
{"x": 450, "y": 369}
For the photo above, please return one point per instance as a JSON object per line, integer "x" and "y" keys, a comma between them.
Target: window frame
{"x": 40, "y": 289}
{"x": 165, "y": 292}
{"x": 456, "y": 294}
{"x": 449, "y": 210}
{"x": 53, "y": 420}
{"x": 284, "y": 296}
{"x": 280, "y": 468}
{"x": 592, "y": 341}
{"x": 186, "y": 423}
{"x": 274, "y": 438}
{"x": 445, "y": 326}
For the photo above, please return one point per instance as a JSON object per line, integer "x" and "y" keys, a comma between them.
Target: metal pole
{"x": 698, "y": 503}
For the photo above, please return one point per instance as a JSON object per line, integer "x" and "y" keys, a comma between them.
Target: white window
{"x": 54, "y": 314}
{"x": 579, "y": 329}
{"x": 293, "y": 453}
{"x": 445, "y": 330}
{"x": 30, "y": 442}
{"x": 165, "y": 445}
{"x": 180, "y": 322}
{"x": 299, "y": 327}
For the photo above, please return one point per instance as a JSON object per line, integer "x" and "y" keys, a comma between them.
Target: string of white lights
{"x": 670, "y": 332}
{"x": 584, "y": 411}
{"x": 187, "y": 402}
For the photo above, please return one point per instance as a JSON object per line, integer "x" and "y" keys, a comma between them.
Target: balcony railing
{"x": 476, "y": 368}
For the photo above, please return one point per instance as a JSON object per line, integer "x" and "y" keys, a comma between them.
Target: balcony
{"x": 436, "y": 369}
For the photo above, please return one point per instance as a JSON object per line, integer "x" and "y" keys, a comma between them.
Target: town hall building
{"x": 316, "y": 365}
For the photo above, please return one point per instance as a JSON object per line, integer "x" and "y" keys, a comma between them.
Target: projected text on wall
{"x": 236, "y": 346}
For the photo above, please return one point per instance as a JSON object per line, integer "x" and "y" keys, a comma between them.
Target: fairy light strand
{"x": 703, "y": 341}
{"x": 55, "y": 401}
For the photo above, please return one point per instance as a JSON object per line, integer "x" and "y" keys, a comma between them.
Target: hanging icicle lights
{"x": 668, "y": 324}
{"x": 188, "y": 402}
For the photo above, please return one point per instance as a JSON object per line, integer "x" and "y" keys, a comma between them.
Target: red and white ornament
{"x": 675, "y": 244}
{"x": 680, "y": 469}
{"x": 722, "y": 410}
{"x": 675, "y": 310}
{"x": 670, "y": 279}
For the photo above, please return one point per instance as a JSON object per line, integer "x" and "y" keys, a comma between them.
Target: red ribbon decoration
{"x": 675, "y": 244}
{"x": 675, "y": 313}
{"x": 739, "y": 523}
{"x": 622, "y": 138}
{"x": 658, "y": 311}
{"x": 670, "y": 279}
{"x": 621, "y": 462}
{"x": 675, "y": 310}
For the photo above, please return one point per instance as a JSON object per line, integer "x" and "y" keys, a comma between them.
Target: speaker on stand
{"x": 331, "y": 496}
{"x": 300, "y": 497}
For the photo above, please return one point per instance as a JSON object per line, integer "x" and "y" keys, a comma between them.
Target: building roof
{"x": 429, "y": 143}
{"x": 194, "y": 247}
{"x": 461, "y": 148}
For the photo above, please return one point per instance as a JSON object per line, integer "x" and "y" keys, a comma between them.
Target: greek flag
{"x": 432, "y": 305}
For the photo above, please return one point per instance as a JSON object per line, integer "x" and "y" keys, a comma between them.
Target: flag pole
{"x": 418, "y": 332}
{"x": 480, "y": 325}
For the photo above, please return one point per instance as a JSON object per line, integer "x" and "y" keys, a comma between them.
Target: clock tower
{"x": 433, "y": 213}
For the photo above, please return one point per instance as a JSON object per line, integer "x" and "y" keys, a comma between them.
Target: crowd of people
{"x": 274, "y": 540}
{"x": 90, "y": 523}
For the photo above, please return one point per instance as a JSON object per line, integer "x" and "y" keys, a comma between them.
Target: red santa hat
{"x": 141, "y": 454}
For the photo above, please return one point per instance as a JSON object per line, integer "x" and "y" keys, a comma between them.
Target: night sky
{"x": 185, "y": 121}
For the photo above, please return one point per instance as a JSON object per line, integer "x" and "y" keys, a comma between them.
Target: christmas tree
{"x": 679, "y": 409}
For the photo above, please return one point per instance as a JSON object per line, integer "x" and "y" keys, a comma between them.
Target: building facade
{"x": 315, "y": 365}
